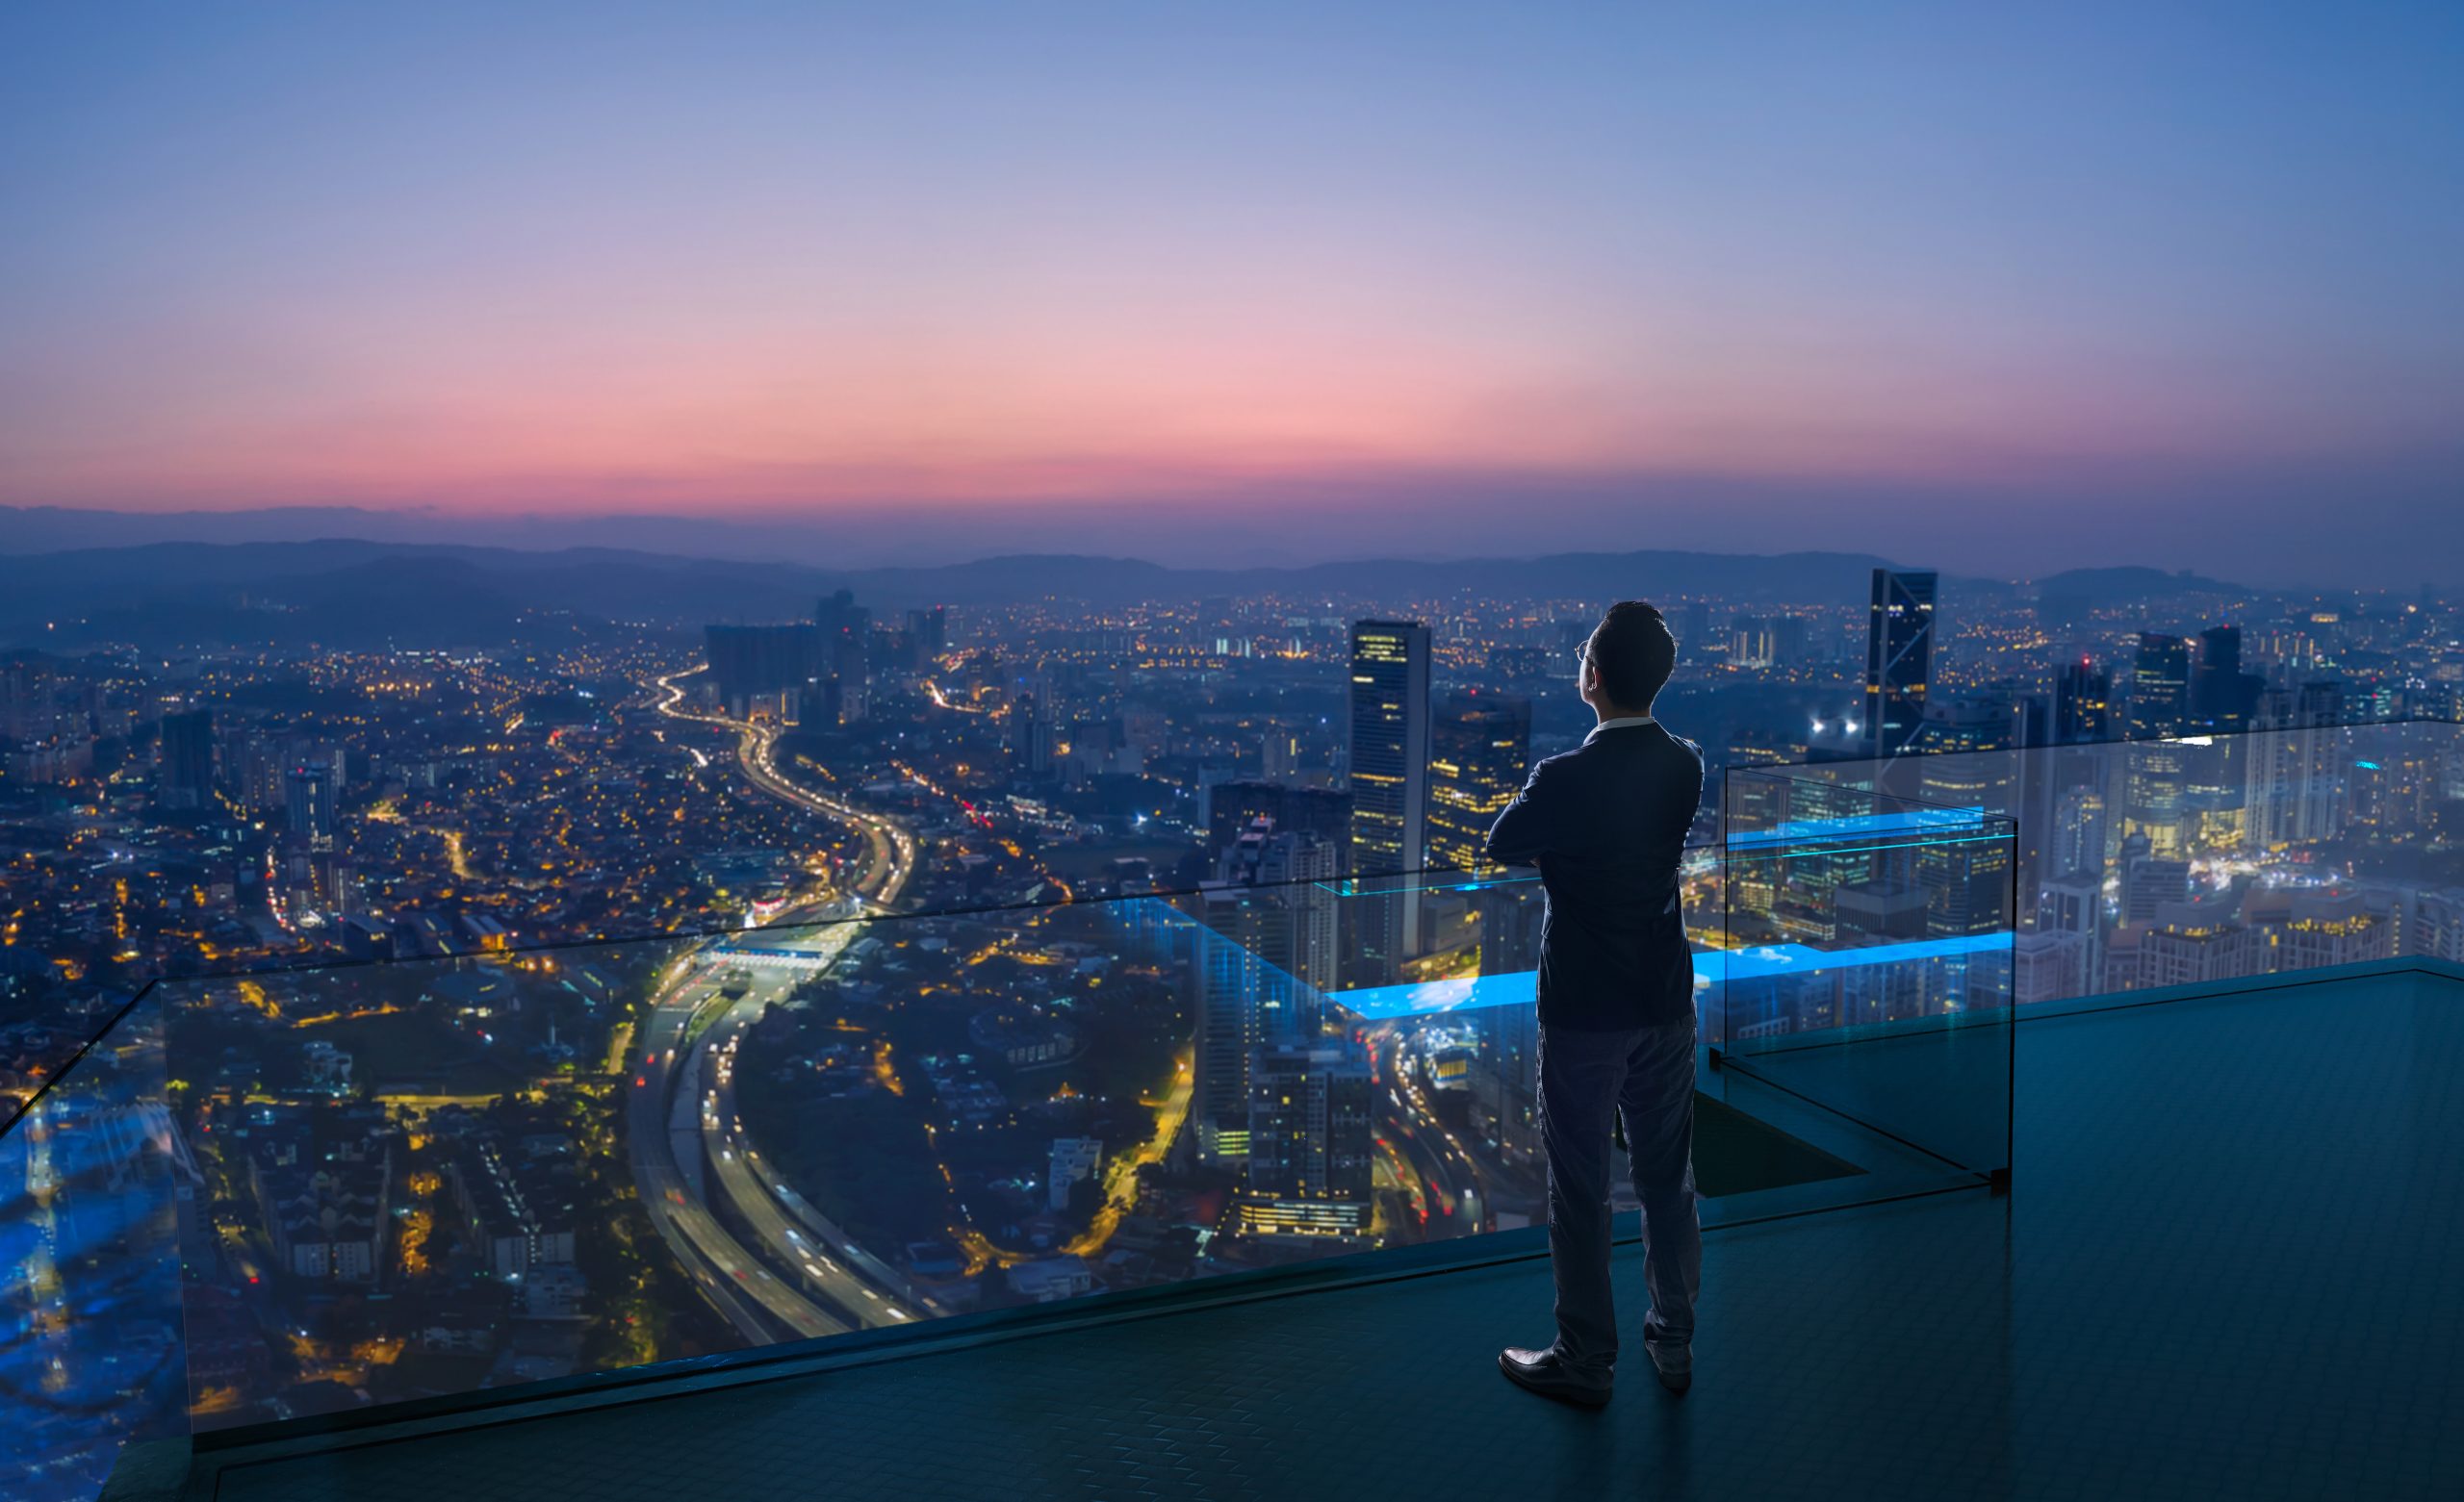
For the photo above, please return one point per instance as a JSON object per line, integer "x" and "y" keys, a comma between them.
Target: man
{"x": 1607, "y": 826}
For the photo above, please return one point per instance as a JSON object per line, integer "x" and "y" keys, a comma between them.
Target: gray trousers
{"x": 1648, "y": 1075}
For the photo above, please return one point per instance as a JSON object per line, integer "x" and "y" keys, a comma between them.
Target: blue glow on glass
{"x": 1712, "y": 967}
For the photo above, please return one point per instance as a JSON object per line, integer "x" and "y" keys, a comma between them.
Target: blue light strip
{"x": 1712, "y": 967}
{"x": 1914, "y": 821}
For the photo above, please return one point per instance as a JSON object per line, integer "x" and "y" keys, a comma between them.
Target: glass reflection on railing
{"x": 421, "y": 1180}
{"x": 2203, "y": 858}
{"x": 93, "y": 1178}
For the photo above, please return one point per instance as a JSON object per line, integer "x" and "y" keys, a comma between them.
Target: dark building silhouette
{"x": 1899, "y": 659}
{"x": 188, "y": 759}
{"x": 1235, "y": 807}
{"x": 2082, "y": 709}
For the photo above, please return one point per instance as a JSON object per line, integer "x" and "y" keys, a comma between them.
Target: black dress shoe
{"x": 1543, "y": 1373}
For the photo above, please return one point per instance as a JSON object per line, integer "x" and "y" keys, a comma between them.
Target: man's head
{"x": 1629, "y": 657}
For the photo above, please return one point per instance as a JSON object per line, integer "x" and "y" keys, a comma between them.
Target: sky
{"x": 2145, "y": 283}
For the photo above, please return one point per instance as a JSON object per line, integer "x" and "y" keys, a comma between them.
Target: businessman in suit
{"x": 1607, "y": 826}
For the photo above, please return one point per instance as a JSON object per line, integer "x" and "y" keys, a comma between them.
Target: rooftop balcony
{"x": 1991, "y": 1212}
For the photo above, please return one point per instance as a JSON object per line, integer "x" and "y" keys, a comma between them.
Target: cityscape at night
{"x": 762, "y": 745}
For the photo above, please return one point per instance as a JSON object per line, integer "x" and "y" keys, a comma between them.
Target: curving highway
{"x": 685, "y": 1138}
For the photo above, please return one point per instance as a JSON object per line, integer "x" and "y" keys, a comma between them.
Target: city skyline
{"x": 2115, "y": 286}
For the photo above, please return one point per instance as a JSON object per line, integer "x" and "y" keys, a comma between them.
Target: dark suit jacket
{"x": 1607, "y": 824}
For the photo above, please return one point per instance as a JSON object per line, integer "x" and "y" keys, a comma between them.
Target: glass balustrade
{"x": 326, "y": 1192}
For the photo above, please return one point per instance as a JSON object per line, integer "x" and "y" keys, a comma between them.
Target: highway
{"x": 1426, "y": 1155}
{"x": 752, "y": 1298}
{"x": 793, "y": 1234}
{"x": 683, "y": 1127}
{"x": 890, "y": 860}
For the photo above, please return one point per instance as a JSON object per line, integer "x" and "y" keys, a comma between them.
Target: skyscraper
{"x": 187, "y": 778}
{"x": 2082, "y": 704}
{"x": 1390, "y": 717}
{"x": 930, "y": 629}
{"x": 1310, "y": 1141}
{"x": 1899, "y": 659}
{"x": 2160, "y": 686}
{"x": 1389, "y": 767}
{"x": 1266, "y": 950}
{"x": 310, "y": 808}
{"x": 2160, "y": 683}
{"x": 1480, "y": 752}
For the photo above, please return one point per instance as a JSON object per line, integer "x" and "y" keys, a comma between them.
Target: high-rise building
{"x": 187, "y": 778}
{"x": 1899, "y": 659}
{"x": 2160, "y": 764}
{"x": 1266, "y": 952}
{"x": 1310, "y": 1137}
{"x": 1034, "y": 735}
{"x": 1479, "y": 752}
{"x": 1388, "y": 769}
{"x": 753, "y": 665}
{"x": 312, "y": 815}
{"x": 1389, "y": 758}
{"x": 2082, "y": 704}
{"x": 2160, "y": 686}
{"x": 2221, "y": 695}
{"x": 928, "y": 629}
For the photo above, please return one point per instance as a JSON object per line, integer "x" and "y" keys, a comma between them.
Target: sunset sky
{"x": 1629, "y": 273}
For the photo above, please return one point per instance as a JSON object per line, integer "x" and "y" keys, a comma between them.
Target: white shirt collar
{"x": 1619, "y": 722}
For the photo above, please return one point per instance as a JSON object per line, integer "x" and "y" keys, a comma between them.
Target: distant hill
{"x": 354, "y": 592}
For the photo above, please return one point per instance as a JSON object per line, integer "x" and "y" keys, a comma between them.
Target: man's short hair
{"x": 1633, "y": 651}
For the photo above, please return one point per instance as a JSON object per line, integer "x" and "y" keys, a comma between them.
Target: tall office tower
{"x": 1287, "y": 919}
{"x": 1266, "y": 952}
{"x": 2082, "y": 827}
{"x": 187, "y": 760}
{"x": 2082, "y": 704}
{"x": 2222, "y": 697}
{"x": 1480, "y": 754}
{"x": 1310, "y": 1139}
{"x": 754, "y": 664}
{"x": 312, "y": 817}
{"x": 2156, "y": 806}
{"x": 1388, "y": 769}
{"x": 852, "y": 668}
{"x": 2160, "y": 685}
{"x": 1389, "y": 759}
{"x": 1034, "y": 736}
{"x": 2295, "y": 778}
{"x": 928, "y": 630}
{"x": 1791, "y": 641}
{"x": 1899, "y": 659}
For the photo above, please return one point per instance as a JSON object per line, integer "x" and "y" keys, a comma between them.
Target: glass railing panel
{"x": 2212, "y": 857}
{"x": 429, "y": 1180}
{"x": 92, "y": 1186}
{"x": 1868, "y": 968}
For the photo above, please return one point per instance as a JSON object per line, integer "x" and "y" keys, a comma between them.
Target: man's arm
{"x": 1531, "y": 826}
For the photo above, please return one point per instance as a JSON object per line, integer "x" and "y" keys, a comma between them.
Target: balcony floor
{"x": 2225, "y": 1271}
